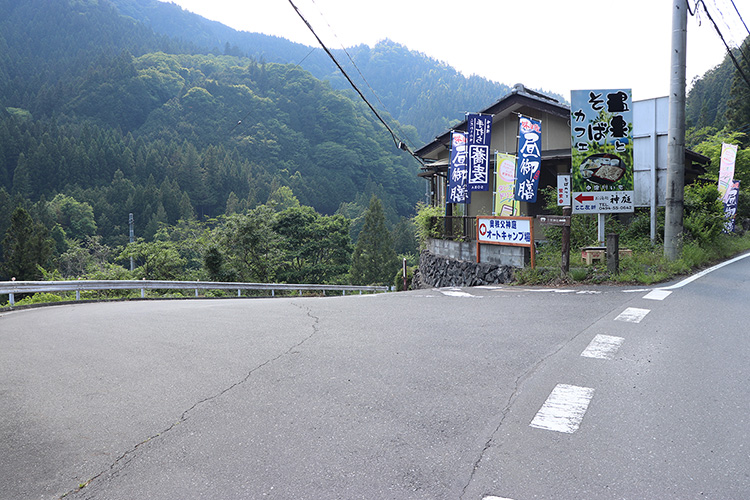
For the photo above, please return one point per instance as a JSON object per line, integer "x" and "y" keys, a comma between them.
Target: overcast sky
{"x": 555, "y": 45}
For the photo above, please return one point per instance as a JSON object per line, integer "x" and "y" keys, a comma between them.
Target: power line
{"x": 400, "y": 144}
{"x": 362, "y": 76}
{"x": 740, "y": 16}
{"x": 718, "y": 31}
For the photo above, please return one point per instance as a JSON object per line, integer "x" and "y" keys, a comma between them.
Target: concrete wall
{"x": 500, "y": 255}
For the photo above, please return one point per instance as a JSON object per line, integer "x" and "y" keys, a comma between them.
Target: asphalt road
{"x": 475, "y": 393}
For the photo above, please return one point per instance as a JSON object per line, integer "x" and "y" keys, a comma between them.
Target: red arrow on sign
{"x": 580, "y": 198}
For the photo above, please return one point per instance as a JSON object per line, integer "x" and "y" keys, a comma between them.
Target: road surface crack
{"x": 124, "y": 459}
{"x": 511, "y": 399}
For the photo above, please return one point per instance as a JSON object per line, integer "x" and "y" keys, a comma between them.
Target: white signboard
{"x": 563, "y": 190}
{"x": 504, "y": 230}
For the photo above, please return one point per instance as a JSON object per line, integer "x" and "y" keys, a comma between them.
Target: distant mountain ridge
{"x": 416, "y": 89}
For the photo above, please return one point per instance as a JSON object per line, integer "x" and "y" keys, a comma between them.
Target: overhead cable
{"x": 399, "y": 144}
{"x": 718, "y": 31}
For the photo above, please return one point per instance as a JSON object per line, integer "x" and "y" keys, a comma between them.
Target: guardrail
{"x": 11, "y": 288}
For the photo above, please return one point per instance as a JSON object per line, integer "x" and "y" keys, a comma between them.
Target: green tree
{"x": 374, "y": 260}
{"x": 155, "y": 260}
{"x": 76, "y": 218}
{"x": 26, "y": 247}
{"x": 250, "y": 247}
{"x": 317, "y": 248}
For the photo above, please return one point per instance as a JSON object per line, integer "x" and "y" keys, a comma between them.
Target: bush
{"x": 398, "y": 281}
{"x": 424, "y": 222}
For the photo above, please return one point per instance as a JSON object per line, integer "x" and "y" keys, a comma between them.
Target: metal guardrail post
{"x": 12, "y": 299}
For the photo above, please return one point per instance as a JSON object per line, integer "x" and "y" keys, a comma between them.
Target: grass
{"x": 647, "y": 265}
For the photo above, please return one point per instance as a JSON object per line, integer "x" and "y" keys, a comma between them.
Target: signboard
{"x": 601, "y": 125}
{"x": 512, "y": 231}
{"x": 730, "y": 206}
{"x": 529, "y": 159}
{"x": 505, "y": 182}
{"x": 726, "y": 170}
{"x": 563, "y": 190}
{"x": 458, "y": 191}
{"x": 554, "y": 220}
{"x": 479, "y": 129}
{"x": 504, "y": 230}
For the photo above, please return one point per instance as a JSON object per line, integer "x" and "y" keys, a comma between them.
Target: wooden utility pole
{"x": 675, "y": 195}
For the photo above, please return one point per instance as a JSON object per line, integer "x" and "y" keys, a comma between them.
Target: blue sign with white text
{"x": 479, "y": 135}
{"x": 529, "y": 166}
{"x": 458, "y": 190}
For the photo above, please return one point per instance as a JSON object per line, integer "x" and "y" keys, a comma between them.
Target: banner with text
{"x": 458, "y": 191}
{"x": 479, "y": 134}
{"x": 730, "y": 205}
{"x": 529, "y": 159}
{"x": 505, "y": 182}
{"x": 602, "y": 151}
{"x": 726, "y": 169}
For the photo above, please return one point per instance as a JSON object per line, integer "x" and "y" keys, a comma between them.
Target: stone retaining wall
{"x": 435, "y": 271}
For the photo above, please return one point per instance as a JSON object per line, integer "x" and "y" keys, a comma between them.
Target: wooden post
{"x": 613, "y": 253}
{"x": 565, "y": 267}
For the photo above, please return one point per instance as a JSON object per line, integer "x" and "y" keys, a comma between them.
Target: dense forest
{"x": 236, "y": 162}
{"x": 415, "y": 89}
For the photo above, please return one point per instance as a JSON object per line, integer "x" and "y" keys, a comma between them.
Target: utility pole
{"x": 675, "y": 195}
{"x": 132, "y": 238}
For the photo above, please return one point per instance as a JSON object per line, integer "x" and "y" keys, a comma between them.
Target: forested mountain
{"x": 92, "y": 98}
{"x": 415, "y": 89}
{"x": 721, "y": 97}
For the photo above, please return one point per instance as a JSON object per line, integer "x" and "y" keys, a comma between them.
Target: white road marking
{"x": 453, "y": 293}
{"x": 603, "y": 347}
{"x": 496, "y": 498}
{"x": 657, "y": 294}
{"x": 704, "y": 272}
{"x": 564, "y": 409}
{"x": 632, "y": 315}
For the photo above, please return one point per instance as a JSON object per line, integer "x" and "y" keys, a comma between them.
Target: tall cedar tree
{"x": 374, "y": 260}
{"x": 26, "y": 246}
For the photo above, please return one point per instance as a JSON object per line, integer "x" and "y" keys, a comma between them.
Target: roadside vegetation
{"x": 704, "y": 243}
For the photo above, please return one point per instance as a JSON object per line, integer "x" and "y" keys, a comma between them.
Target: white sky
{"x": 554, "y": 45}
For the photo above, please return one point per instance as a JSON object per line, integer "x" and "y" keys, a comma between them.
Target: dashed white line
{"x": 632, "y": 315}
{"x": 603, "y": 347}
{"x": 564, "y": 409}
{"x": 657, "y": 294}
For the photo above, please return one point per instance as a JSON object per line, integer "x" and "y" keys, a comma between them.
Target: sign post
{"x": 564, "y": 221}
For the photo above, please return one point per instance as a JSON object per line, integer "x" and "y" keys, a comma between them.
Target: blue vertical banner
{"x": 730, "y": 205}
{"x": 458, "y": 175}
{"x": 529, "y": 165}
{"x": 479, "y": 134}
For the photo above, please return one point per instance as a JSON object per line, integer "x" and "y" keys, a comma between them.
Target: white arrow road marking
{"x": 603, "y": 347}
{"x": 564, "y": 409}
{"x": 632, "y": 315}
